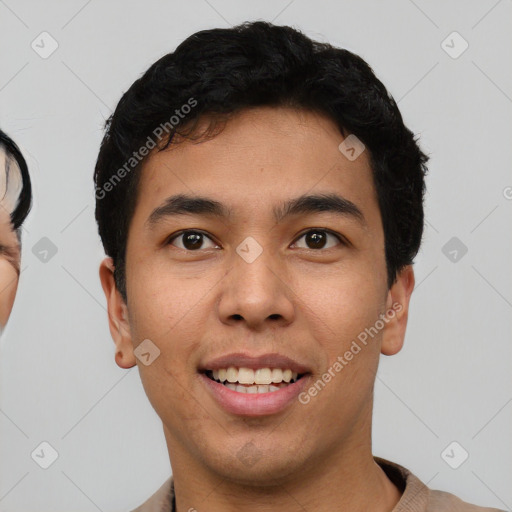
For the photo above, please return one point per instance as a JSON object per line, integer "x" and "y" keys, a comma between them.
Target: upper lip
{"x": 241, "y": 360}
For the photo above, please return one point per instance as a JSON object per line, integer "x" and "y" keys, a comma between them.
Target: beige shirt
{"x": 416, "y": 496}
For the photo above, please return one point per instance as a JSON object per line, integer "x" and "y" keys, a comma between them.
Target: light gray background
{"x": 59, "y": 382}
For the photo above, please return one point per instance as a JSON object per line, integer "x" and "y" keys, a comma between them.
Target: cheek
{"x": 8, "y": 287}
{"x": 160, "y": 298}
{"x": 342, "y": 304}
{"x": 171, "y": 310}
{"x": 338, "y": 313}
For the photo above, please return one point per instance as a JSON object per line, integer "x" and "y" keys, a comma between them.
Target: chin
{"x": 251, "y": 464}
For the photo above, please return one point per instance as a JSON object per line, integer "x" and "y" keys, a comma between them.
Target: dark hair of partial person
{"x": 261, "y": 64}
{"x": 13, "y": 153}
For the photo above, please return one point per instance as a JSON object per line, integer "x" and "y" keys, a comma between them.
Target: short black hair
{"x": 24, "y": 203}
{"x": 223, "y": 71}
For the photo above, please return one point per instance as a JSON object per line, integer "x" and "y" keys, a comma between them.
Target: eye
{"x": 318, "y": 239}
{"x": 191, "y": 240}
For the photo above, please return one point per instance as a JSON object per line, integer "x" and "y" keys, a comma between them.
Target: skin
{"x": 9, "y": 266}
{"x": 306, "y": 303}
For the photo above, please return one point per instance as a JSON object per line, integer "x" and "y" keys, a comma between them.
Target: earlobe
{"x": 397, "y": 311}
{"x": 117, "y": 316}
{"x": 124, "y": 362}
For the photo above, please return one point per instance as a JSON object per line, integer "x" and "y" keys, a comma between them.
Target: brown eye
{"x": 318, "y": 239}
{"x": 191, "y": 240}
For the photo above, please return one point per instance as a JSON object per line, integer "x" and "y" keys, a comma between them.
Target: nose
{"x": 256, "y": 294}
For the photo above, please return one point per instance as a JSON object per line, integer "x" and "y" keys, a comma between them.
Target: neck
{"x": 348, "y": 479}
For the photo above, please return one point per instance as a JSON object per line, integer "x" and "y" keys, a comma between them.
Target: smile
{"x": 249, "y": 399}
{"x": 258, "y": 381}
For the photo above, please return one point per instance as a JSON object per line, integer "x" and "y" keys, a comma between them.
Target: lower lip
{"x": 254, "y": 404}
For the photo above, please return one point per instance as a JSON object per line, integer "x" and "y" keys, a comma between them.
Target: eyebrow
{"x": 182, "y": 204}
{"x": 331, "y": 203}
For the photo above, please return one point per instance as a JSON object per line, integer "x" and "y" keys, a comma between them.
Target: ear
{"x": 397, "y": 311}
{"x": 117, "y": 316}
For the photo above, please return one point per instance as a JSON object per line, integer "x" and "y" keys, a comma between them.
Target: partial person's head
{"x": 15, "y": 203}
{"x": 260, "y": 201}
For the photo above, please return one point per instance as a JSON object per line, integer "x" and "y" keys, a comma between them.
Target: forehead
{"x": 260, "y": 156}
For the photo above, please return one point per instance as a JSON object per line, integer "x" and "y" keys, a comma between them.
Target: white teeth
{"x": 253, "y": 389}
{"x": 246, "y": 376}
{"x": 277, "y": 375}
{"x": 263, "y": 376}
{"x": 231, "y": 374}
{"x": 254, "y": 378}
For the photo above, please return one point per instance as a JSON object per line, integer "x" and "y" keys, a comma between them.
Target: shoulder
{"x": 161, "y": 501}
{"x": 441, "y": 501}
{"x": 417, "y": 497}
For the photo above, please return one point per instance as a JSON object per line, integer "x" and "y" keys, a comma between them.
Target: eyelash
{"x": 314, "y": 230}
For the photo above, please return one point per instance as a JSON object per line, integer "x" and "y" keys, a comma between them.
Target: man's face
{"x": 209, "y": 293}
{"x": 10, "y": 189}
{"x": 9, "y": 266}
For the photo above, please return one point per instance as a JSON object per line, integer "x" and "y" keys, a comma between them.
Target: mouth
{"x": 254, "y": 381}
{"x": 254, "y": 388}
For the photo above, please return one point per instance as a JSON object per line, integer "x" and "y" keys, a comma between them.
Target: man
{"x": 260, "y": 202}
{"x": 15, "y": 203}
